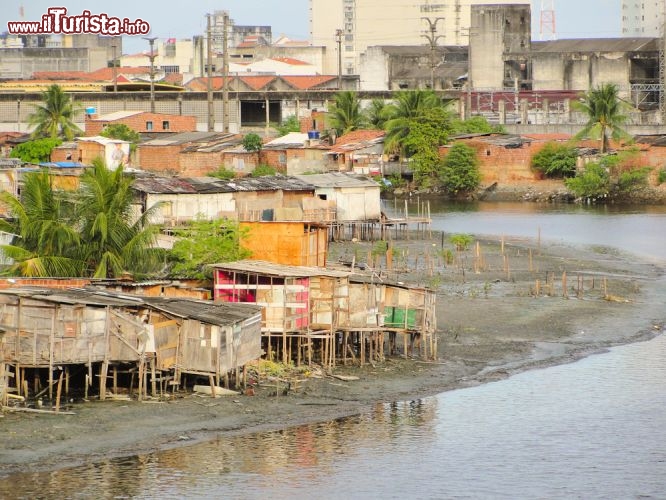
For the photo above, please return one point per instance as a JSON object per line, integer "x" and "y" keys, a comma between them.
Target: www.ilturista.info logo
{"x": 56, "y": 21}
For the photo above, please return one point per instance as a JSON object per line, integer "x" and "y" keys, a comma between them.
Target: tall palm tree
{"x": 409, "y": 105}
{"x": 55, "y": 116}
{"x": 45, "y": 241}
{"x": 603, "y": 108}
{"x": 377, "y": 113}
{"x": 114, "y": 239}
{"x": 345, "y": 113}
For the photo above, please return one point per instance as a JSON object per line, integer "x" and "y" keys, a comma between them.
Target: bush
{"x": 592, "y": 182}
{"x": 36, "y": 151}
{"x": 461, "y": 241}
{"x": 263, "y": 170}
{"x": 632, "y": 179}
{"x": 223, "y": 173}
{"x": 661, "y": 176}
{"x": 291, "y": 124}
{"x": 555, "y": 160}
{"x": 252, "y": 142}
{"x": 460, "y": 169}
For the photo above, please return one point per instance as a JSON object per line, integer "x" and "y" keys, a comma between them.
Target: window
{"x": 282, "y": 158}
{"x": 165, "y": 125}
{"x": 349, "y": 38}
{"x": 149, "y": 125}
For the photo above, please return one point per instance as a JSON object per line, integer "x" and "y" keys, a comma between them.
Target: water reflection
{"x": 289, "y": 459}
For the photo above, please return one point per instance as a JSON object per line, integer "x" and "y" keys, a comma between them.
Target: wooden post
{"x": 565, "y": 292}
{"x": 153, "y": 375}
{"x": 59, "y": 391}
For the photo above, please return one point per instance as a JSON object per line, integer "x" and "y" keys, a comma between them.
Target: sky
{"x": 574, "y": 18}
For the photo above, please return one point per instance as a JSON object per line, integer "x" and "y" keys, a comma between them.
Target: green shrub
{"x": 461, "y": 241}
{"x": 460, "y": 169}
{"x": 592, "y": 182}
{"x": 252, "y": 142}
{"x": 661, "y": 176}
{"x": 555, "y": 160}
{"x": 263, "y": 170}
{"x": 223, "y": 173}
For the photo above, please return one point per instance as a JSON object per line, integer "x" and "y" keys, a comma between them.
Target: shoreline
{"x": 525, "y": 332}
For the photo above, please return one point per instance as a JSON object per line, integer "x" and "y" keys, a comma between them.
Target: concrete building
{"x": 645, "y": 18}
{"x": 365, "y": 23}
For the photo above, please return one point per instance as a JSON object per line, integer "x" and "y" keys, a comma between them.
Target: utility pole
{"x": 152, "y": 56}
{"x": 115, "y": 67}
{"x": 432, "y": 38}
{"x": 225, "y": 73}
{"x": 209, "y": 75}
{"x": 338, "y": 39}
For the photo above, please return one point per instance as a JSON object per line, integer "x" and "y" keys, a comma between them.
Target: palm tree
{"x": 345, "y": 113}
{"x": 114, "y": 240}
{"x": 409, "y": 105}
{"x": 45, "y": 241}
{"x": 55, "y": 117}
{"x": 377, "y": 113}
{"x": 604, "y": 109}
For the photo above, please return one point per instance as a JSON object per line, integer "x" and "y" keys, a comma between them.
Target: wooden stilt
{"x": 59, "y": 391}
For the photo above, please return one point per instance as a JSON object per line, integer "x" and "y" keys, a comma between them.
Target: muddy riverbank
{"x": 503, "y": 307}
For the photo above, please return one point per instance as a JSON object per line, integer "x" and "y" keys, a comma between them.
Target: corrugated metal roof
{"x": 175, "y": 185}
{"x": 183, "y": 137}
{"x": 216, "y": 313}
{"x": 273, "y": 269}
{"x": 116, "y": 115}
{"x": 337, "y": 179}
{"x": 290, "y": 140}
{"x": 597, "y": 45}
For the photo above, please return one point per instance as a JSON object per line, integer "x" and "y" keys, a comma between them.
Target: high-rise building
{"x": 354, "y": 25}
{"x": 643, "y": 18}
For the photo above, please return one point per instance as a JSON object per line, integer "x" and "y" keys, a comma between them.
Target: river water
{"x": 591, "y": 429}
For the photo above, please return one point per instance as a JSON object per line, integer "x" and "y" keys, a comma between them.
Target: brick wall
{"x": 64, "y": 154}
{"x": 161, "y": 159}
{"x": 60, "y": 283}
{"x": 232, "y": 160}
{"x": 138, "y": 122}
{"x": 199, "y": 164}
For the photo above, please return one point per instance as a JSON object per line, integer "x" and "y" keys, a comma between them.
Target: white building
{"x": 366, "y": 23}
{"x": 643, "y": 19}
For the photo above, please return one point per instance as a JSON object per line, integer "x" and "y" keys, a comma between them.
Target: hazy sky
{"x": 574, "y": 18}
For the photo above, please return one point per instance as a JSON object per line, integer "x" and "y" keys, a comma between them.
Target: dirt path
{"x": 491, "y": 324}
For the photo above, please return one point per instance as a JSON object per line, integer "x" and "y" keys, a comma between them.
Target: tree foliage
{"x": 92, "y": 232}
{"x": 55, "y": 116}
{"x": 460, "y": 169}
{"x": 290, "y": 124}
{"x": 205, "y": 242}
{"x": 426, "y": 133}
{"x": 409, "y": 105}
{"x": 345, "y": 114}
{"x": 122, "y": 132}
{"x": 252, "y": 142}
{"x": 474, "y": 125}
{"x": 556, "y": 160}
{"x": 592, "y": 182}
{"x": 377, "y": 113}
{"x": 604, "y": 110}
{"x": 35, "y": 151}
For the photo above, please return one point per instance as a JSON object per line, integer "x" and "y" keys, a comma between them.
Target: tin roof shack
{"x": 294, "y": 153}
{"x": 303, "y": 306}
{"x": 53, "y": 330}
{"x": 113, "y": 151}
{"x": 246, "y": 199}
{"x": 292, "y": 243}
{"x": 183, "y": 200}
{"x": 356, "y": 198}
{"x": 360, "y": 152}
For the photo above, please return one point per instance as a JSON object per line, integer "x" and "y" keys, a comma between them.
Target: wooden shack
{"x": 302, "y": 305}
{"x": 291, "y": 243}
{"x": 52, "y": 330}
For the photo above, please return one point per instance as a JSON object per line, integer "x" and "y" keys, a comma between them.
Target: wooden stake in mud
{"x": 59, "y": 391}
{"x": 537, "y": 288}
{"x": 502, "y": 246}
{"x": 565, "y": 292}
{"x": 530, "y": 261}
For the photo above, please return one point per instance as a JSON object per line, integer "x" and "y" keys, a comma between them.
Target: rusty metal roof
{"x": 222, "y": 313}
{"x": 208, "y": 185}
{"x": 338, "y": 180}
{"x": 273, "y": 269}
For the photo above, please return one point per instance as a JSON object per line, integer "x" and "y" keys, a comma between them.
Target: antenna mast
{"x": 547, "y": 20}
